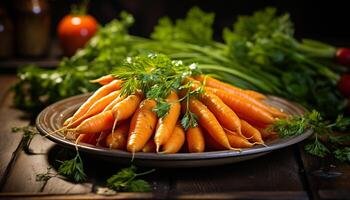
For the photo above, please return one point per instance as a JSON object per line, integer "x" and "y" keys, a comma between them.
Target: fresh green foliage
{"x": 125, "y": 180}
{"x": 73, "y": 169}
{"x": 28, "y": 134}
{"x": 195, "y": 28}
{"x": 156, "y": 75}
{"x": 343, "y": 154}
{"x": 297, "y": 125}
{"x": 162, "y": 108}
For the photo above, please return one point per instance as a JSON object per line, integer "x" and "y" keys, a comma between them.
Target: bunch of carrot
{"x": 223, "y": 117}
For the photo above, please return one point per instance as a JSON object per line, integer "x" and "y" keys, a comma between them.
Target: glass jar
{"x": 6, "y": 35}
{"x": 32, "y": 27}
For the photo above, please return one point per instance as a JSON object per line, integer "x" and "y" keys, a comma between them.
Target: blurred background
{"x": 322, "y": 20}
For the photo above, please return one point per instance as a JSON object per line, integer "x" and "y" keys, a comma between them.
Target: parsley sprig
{"x": 323, "y": 131}
{"x": 28, "y": 134}
{"x": 125, "y": 180}
{"x": 156, "y": 75}
{"x": 73, "y": 169}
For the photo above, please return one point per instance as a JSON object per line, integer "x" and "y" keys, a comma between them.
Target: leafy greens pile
{"x": 259, "y": 53}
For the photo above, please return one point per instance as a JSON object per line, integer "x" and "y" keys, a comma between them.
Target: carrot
{"x": 166, "y": 125}
{"x": 103, "y": 80}
{"x": 249, "y": 95}
{"x": 67, "y": 121}
{"x": 212, "y": 82}
{"x": 175, "y": 142}
{"x": 118, "y": 139}
{"x": 266, "y": 135}
{"x": 224, "y": 114}
{"x": 195, "y": 140}
{"x": 97, "y": 107}
{"x": 242, "y": 107}
{"x": 114, "y": 102}
{"x": 126, "y": 108}
{"x": 101, "y": 92}
{"x": 210, "y": 143}
{"x": 101, "y": 140}
{"x": 252, "y": 133}
{"x": 238, "y": 141}
{"x": 96, "y": 124}
{"x": 150, "y": 147}
{"x": 208, "y": 121}
{"x": 87, "y": 138}
{"x": 142, "y": 126}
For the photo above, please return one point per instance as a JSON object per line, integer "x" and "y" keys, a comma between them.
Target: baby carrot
{"x": 251, "y": 133}
{"x": 150, "y": 147}
{"x": 96, "y": 124}
{"x": 103, "y": 80}
{"x": 142, "y": 126}
{"x": 223, "y": 113}
{"x": 195, "y": 140}
{"x": 97, "y": 107}
{"x": 166, "y": 125}
{"x": 238, "y": 141}
{"x": 175, "y": 142}
{"x": 118, "y": 139}
{"x": 208, "y": 121}
{"x": 126, "y": 108}
{"x": 242, "y": 107}
{"x": 212, "y": 82}
{"x": 101, "y": 92}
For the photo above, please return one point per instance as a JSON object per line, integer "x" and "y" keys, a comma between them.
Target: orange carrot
{"x": 224, "y": 114}
{"x": 247, "y": 95}
{"x": 97, "y": 107}
{"x": 242, "y": 107}
{"x": 208, "y": 121}
{"x": 87, "y": 138}
{"x": 114, "y": 102}
{"x": 212, "y": 82}
{"x": 101, "y": 92}
{"x": 103, "y": 80}
{"x": 195, "y": 140}
{"x": 238, "y": 141}
{"x": 142, "y": 126}
{"x": 67, "y": 121}
{"x": 150, "y": 147}
{"x": 126, "y": 108}
{"x": 96, "y": 124}
{"x": 175, "y": 142}
{"x": 118, "y": 139}
{"x": 252, "y": 133}
{"x": 166, "y": 125}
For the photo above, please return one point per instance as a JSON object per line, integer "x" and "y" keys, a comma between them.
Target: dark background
{"x": 324, "y": 20}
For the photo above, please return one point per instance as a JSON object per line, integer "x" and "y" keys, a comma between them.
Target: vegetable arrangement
{"x": 260, "y": 53}
{"x": 154, "y": 104}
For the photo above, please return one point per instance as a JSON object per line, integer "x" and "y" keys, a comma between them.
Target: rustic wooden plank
{"x": 278, "y": 171}
{"x": 327, "y": 179}
{"x": 123, "y": 195}
{"x": 9, "y": 117}
{"x": 22, "y": 177}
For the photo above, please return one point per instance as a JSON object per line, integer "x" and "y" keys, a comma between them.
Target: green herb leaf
{"x": 162, "y": 108}
{"x": 73, "y": 169}
{"x": 343, "y": 154}
{"x": 317, "y": 148}
{"x": 28, "y": 134}
{"x": 189, "y": 120}
{"x": 124, "y": 180}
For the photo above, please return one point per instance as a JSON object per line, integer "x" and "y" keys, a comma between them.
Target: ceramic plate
{"x": 52, "y": 118}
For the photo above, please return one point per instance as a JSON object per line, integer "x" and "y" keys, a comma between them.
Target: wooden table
{"x": 283, "y": 174}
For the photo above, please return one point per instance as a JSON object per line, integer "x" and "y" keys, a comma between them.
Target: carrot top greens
{"x": 156, "y": 75}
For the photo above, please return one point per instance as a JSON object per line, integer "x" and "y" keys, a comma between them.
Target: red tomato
{"x": 343, "y": 56}
{"x": 74, "y": 31}
{"x": 344, "y": 85}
